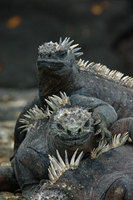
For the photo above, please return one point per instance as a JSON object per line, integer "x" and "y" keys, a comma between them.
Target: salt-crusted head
{"x": 72, "y": 121}
{"x": 71, "y": 128}
{"x": 68, "y": 127}
{"x": 54, "y": 55}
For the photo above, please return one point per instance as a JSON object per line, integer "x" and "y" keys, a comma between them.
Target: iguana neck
{"x": 52, "y": 83}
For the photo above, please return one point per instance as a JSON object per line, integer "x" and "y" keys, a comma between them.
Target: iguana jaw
{"x": 83, "y": 136}
{"x": 49, "y": 64}
{"x": 75, "y": 140}
{"x": 85, "y": 142}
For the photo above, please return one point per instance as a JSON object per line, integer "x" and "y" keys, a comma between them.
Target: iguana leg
{"x": 103, "y": 113}
{"x": 121, "y": 189}
{"x": 122, "y": 126}
{"x": 30, "y": 166}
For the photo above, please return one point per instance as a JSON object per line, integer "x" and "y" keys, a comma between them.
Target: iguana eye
{"x": 87, "y": 123}
{"x": 62, "y": 53}
{"x": 60, "y": 127}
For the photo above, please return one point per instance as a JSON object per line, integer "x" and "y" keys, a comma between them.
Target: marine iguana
{"x": 59, "y": 70}
{"x": 67, "y": 127}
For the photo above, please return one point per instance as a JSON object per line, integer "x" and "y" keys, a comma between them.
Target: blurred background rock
{"x": 103, "y": 28}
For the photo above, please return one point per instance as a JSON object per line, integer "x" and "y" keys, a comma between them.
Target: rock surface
{"x": 11, "y": 104}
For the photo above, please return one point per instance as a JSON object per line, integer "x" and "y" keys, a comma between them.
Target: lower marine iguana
{"x": 71, "y": 131}
{"x": 66, "y": 127}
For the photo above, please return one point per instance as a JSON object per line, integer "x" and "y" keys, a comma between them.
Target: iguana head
{"x": 57, "y": 56}
{"x": 67, "y": 127}
{"x": 71, "y": 128}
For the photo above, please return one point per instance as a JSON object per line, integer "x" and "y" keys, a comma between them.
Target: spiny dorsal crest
{"x": 116, "y": 141}
{"x": 105, "y": 72}
{"x": 31, "y": 116}
{"x": 56, "y": 102}
{"x": 58, "y": 167}
{"x": 34, "y": 114}
{"x": 52, "y": 47}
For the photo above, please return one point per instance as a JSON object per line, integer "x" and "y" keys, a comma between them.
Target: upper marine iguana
{"x": 59, "y": 70}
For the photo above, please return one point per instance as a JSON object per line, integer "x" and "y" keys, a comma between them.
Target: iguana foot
{"x": 101, "y": 128}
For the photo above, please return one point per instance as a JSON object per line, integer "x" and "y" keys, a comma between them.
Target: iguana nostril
{"x": 49, "y": 55}
{"x": 69, "y": 132}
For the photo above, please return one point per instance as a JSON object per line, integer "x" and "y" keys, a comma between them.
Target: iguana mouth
{"x": 42, "y": 64}
{"x": 77, "y": 137}
{"x": 74, "y": 140}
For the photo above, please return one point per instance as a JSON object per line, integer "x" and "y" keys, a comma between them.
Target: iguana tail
{"x": 7, "y": 179}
